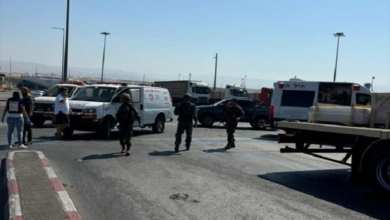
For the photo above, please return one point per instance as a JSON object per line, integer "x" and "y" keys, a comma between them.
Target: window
{"x": 338, "y": 94}
{"x": 201, "y": 90}
{"x": 303, "y": 99}
{"x": 135, "y": 95}
{"x": 363, "y": 99}
{"x": 53, "y": 92}
{"x": 239, "y": 92}
{"x": 244, "y": 104}
{"x": 97, "y": 94}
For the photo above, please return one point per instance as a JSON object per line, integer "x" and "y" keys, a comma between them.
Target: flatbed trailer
{"x": 368, "y": 147}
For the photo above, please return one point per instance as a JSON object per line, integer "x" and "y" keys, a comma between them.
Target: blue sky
{"x": 264, "y": 40}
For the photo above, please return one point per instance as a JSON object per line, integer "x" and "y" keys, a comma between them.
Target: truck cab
{"x": 44, "y": 105}
{"x": 233, "y": 91}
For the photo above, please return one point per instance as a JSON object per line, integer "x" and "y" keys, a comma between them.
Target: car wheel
{"x": 105, "y": 129}
{"x": 207, "y": 120}
{"x": 38, "y": 121}
{"x": 260, "y": 123}
{"x": 159, "y": 125}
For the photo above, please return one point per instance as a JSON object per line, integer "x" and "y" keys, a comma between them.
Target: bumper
{"x": 84, "y": 123}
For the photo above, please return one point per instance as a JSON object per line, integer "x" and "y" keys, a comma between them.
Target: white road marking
{"x": 50, "y": 172}
{"x": 66, "y": 202}
{"x": 15, "y": 208}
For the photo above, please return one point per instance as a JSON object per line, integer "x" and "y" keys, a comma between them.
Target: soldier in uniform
{"x": 186, "y": 110}
{"x": 125, "y": 116}
{"x": 233, "y": 114}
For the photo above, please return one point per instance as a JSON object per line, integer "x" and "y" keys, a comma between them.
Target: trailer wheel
{"x": 379, "y": 170}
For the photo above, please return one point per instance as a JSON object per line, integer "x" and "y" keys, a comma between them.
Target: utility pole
{"x": 190, "y": 76}
{"x": 144, "y": 80}
{"x": 65, "y": 70}
{"x": 10, "y": 71}
{"x": 178, "y": 77}
{"x": 215, "y": 73}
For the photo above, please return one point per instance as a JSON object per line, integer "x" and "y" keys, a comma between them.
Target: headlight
{"x": 89, "y": 111}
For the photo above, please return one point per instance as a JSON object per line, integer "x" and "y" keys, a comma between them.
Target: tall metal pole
{"x": 215, "y": 73}
{"x": 178, "y": 77}
{"x": 190, "y": 76}
{"x": 65, "y": 69}
{"x": 104, "y": 52}
{"x": 63, "y": 50}
{"x": 338, "y": 35}
{"x": 144, "y": 80}
{"x": 10, "y": 71}
{"x": 372, "y": 83}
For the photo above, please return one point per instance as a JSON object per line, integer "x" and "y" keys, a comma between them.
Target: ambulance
{"x": 291, "y": 100}
{"x": 94, "y": 108}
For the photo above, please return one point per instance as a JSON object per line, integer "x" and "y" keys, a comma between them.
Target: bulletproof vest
{"x": 14, "y": 106}
{"x": 126, "y": 114}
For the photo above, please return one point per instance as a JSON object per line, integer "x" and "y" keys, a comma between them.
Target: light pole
{"x": 190, "y": 76}
{"x": 215, "y": 72}
{"x": 66, "y": 43}
{"x": 10, "y": 71}
{"x": 338, "y": 35}
{"x": 244, "y": 80}
{"x": 178, "y": 77}
{"x": 63, "y": 49}
{"x": 372, "y": 83}
{"x": 144, "y": 80}
{"x": 104, "y": 52}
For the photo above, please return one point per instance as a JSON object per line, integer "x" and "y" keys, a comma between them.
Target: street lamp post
{"x": 215, "y": 72}
{"x": 178, "y": 78}
{"x": 104, "y": 52}
{"x": 372, "y": 83}
{"x": 190, "y": 76}
{"x": 66, "y": 42}
{"x": 63, "y": 49}
{"x": 338, "y": 35}
{"x": 10, "y": 71}
{"x": 244, "y": 80}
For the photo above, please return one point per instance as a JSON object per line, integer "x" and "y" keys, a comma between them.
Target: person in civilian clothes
{"x": 16, "y": 112}
{"x": 233, "y": 114}
{"x": 28, "y": 103}
{"x": 61, "y": 111}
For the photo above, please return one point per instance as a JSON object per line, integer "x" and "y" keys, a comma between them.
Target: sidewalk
{"x": 34, "y": 190}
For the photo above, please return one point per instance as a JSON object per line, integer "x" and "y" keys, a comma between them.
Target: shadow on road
{"x": 268, "y": 137}
{"x": 103, "y": 156}
{"x": 218, "y": 150}
{"x": 164, "y": 153}
{"x": 333, "y": 186}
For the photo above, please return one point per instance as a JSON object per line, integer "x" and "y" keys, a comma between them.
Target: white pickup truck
{"x": 44, "y": 105}
{"x": 94, "y": 108}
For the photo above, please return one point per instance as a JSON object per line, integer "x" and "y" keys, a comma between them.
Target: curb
{"x": 15, "y": 209}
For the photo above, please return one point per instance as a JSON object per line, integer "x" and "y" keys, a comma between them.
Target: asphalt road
{"x": 253, "y": 181}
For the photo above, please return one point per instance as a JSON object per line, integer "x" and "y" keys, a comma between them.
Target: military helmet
{"x": 125, "y": 97}
{"x": 187, "y": 97}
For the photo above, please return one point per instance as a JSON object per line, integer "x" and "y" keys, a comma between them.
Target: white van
{"x": 291, "y": 100}
{"x": 95, "y": 106}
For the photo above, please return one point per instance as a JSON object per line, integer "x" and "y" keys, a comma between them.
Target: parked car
{"x": 256, "y": 113}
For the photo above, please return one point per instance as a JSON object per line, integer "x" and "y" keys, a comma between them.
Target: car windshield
{"x": 54, "y": 91}
{"x": 95, "y": 93}
{"x": 239, "y": 92}
{"x": 201, "y": 90}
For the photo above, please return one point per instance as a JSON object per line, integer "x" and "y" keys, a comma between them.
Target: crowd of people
{"x": 20, "y": 109}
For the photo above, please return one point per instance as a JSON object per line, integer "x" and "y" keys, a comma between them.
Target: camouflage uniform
{"x": 231, "y": 114}
{"x": 186, "y": 111}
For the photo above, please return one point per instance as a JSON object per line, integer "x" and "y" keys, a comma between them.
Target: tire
{"x": 38, "y": 121}
{"x": 68, "y": 132}
{"x": 207, "y": 120}
{"x": 105, "y": 129}
{"x": 379, "y": 171}
{"x": 159, "y": 125}
{"x": 259, "y": 123}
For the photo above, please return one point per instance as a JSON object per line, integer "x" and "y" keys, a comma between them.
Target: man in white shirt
{"x": 61, "y": 111}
